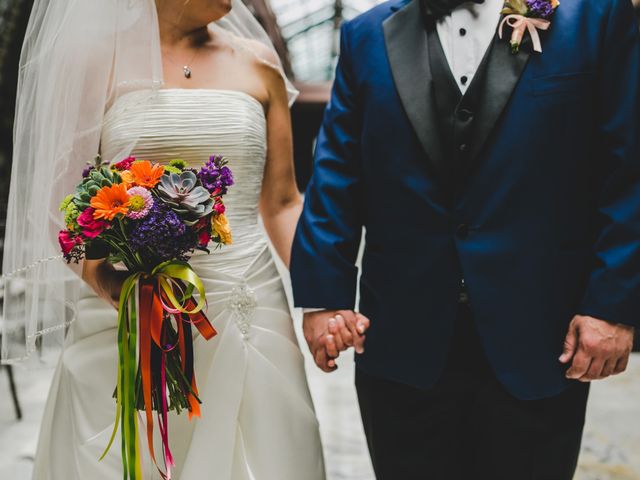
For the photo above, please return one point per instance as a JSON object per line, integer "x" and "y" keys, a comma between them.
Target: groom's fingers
{"x": 609, "y": 368}
{"x": 621, "y": 365}
{"x": 351, "y": 326}
{"x": 580, "y": 365}
{"x": 343, "y": 334}
{"x": 335, "y": 330}
{"x": 595, "y": 370}
{"x": 361, "y": 325}
{"x": 570, "y": 343}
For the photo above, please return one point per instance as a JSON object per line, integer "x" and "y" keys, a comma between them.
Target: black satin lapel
{"x": 504, "y": 70}
{"x": 407, "y": 50}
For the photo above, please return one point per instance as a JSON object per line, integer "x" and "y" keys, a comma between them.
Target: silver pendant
{"x": 187, "y": 71}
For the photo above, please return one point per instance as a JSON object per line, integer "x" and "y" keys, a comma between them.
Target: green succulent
{"x": 186, "y": 196}
{"x": 94, "y": 181}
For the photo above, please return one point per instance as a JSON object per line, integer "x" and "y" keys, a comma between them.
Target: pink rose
{"x": 68, "y": 241}
{"x": 124, "y": 164}
{"x": 219, "y": 208}
{"x": 91, "y": 227}
{"x": 204, "y": 237}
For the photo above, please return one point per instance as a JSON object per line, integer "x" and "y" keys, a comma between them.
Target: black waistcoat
{"x": 455, "y": 112}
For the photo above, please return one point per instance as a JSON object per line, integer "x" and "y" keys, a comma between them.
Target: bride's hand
{"x": 329, "y": 332}
{"x": 348, "y": 329}
{"x": 105, "y": 280}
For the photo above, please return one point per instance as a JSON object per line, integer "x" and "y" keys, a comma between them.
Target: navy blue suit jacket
{"x": 548, "y": 222}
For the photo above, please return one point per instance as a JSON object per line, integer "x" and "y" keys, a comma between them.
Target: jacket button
{"x": 464, "y": 115}
{"x": 462, "y": 231}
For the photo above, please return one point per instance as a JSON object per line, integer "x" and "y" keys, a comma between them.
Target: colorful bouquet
{"x": 151, "y": 218}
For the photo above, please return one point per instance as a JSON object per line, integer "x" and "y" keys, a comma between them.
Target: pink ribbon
{"x": 164, "y": 422}
{"x": 521, "y": 23}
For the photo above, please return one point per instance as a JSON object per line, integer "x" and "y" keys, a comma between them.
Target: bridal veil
{"x": 78, "y": 57}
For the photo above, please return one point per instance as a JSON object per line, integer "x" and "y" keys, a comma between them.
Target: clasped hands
{"x": 329, "y": 332}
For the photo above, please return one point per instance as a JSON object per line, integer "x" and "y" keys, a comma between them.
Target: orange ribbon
{"x": 152, "y": 317}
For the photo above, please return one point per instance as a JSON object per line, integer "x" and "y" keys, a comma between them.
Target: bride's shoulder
{"x": 261, "y": 57}
{"x": 256, "y": 51}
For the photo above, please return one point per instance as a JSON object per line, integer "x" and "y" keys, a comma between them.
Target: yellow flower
{"x": 555, "y": 3}
{"x": 220, "y": 228}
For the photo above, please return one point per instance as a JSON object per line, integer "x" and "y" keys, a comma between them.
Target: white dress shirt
{"x": 465, "y": 36}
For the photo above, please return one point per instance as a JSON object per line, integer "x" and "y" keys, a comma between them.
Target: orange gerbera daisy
{"x": 143, "y": 174}
{"x": 110, "y": 201}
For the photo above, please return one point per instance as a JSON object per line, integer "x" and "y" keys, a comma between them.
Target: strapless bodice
{"x": 193, "y": 125}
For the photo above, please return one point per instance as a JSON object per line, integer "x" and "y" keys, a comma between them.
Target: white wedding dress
{"x": 258, "y": 420}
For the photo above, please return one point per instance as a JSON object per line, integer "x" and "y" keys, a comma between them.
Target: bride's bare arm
{"x": 281, "y": 202}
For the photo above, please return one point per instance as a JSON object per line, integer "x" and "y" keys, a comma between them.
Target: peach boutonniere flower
{"x": 527, "y": 16}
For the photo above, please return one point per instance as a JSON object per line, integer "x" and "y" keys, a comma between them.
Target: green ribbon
{"x": 126, "y": 412}
{"x": 175, "y": 270}
{"x": 168, "y": 273}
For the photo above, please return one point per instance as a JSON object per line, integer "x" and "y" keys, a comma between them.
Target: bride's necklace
{"x": 186, "y": 68}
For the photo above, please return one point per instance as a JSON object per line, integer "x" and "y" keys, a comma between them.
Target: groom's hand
{"x": 329, "y": 332}
{"x": 598, "y": 348}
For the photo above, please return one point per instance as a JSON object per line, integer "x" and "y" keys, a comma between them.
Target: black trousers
{"x": 468, "y": 427}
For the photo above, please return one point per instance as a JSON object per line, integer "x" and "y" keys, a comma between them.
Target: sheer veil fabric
{"x": 78, "y": 57}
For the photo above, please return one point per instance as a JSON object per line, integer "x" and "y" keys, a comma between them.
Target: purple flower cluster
{"x": 215, "y": 176}
{"x": 87, "y": 170}
{"x": 161, "y": 236}
{"x": 539, "y": 8}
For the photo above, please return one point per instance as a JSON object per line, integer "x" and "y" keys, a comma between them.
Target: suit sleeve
{"x": 328, "y": 235}
{"x": 613, "y": 290}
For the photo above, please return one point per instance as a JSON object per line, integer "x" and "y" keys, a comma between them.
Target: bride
{"x": 161, "y": 80}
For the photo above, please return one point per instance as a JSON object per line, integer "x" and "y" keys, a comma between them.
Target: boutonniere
{"x": 527, "y": 16}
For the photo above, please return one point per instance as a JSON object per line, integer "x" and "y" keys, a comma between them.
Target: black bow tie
{"x": 436, "y": 9}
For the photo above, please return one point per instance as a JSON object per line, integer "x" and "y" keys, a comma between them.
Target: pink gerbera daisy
{"x": 140, "y": 202}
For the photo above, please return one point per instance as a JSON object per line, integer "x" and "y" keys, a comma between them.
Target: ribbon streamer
{"x": 145, "y": 335}
{"x": 520, "y": 24}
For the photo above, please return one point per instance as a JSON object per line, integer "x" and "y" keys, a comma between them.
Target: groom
{"x": 500, "y": 194}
